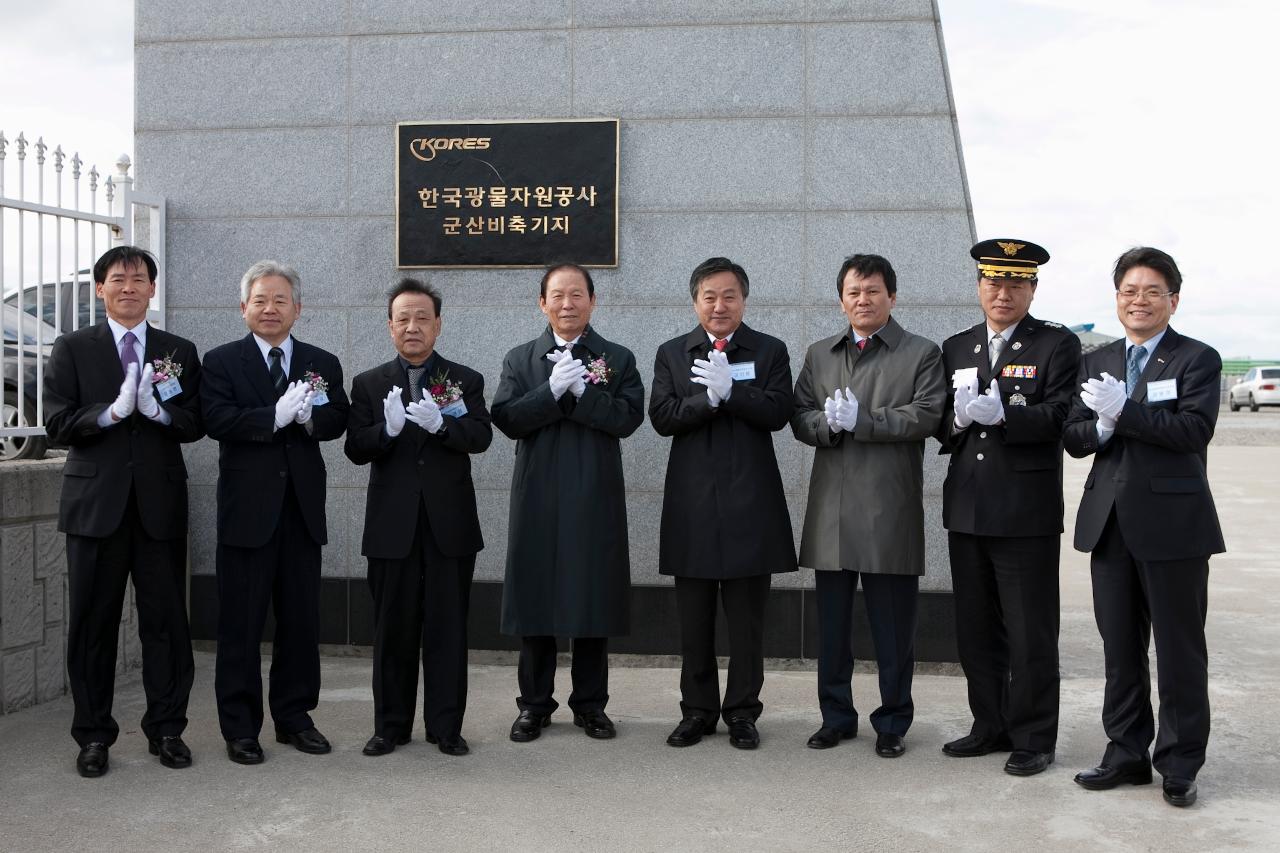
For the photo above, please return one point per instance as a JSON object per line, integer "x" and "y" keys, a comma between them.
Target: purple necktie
{"x": 128, "y": 355}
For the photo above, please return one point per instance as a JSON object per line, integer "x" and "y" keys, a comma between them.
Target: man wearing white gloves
{"x": 124, "y": 505}
{"x": 415, "y": 420}
{"x": 1012, "y": 377}
{"x": 269, "y": 400}
{"x": 866, "y": 399}
{"x": 567, "y": 398}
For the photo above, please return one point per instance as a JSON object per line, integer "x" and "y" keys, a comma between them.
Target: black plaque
{"x": 507, "y": 193}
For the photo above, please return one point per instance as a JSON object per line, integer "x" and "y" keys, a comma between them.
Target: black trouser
{"x": 537, "y": 674}
{"x": 97, "y": 571}
{"x": 1131, "y": 600}
{"x": 891, "y": 614}
{"x": 283, "y": 574}
{"x": 744, "y": 600}
{"x": 420, "y": 606}
{"x": 1007, "y": 613}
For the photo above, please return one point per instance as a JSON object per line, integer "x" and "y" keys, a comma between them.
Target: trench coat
{"x": 866, "y": 493}
{"x": 568, "y": 570}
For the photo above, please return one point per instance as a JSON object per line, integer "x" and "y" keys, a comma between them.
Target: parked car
{"x": 1259, "y": 387}
{"x": 47, "y": 301}
{"x": 34, "y": 339}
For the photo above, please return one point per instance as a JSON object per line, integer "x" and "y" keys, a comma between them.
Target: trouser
{"x": 537, "y": 674}
{"x": 1007, "y": 613}
{"x": 891, "y": 613}
{"x": 1132, "y": 599}
{"x": 744, "y": 601}
{"x": 97, "y": 571}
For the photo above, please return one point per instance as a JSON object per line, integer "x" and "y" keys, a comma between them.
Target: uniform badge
{"x": 1017, "y": 400}
{"x": 1018, "y": 371}
{"x": 977, "y": 348}
{"x": 1017, "y": 344}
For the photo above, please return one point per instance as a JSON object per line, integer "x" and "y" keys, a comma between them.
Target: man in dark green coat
{"x": 566, "y": 398}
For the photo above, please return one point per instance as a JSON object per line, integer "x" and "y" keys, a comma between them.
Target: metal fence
{"x": 51, "y": 232}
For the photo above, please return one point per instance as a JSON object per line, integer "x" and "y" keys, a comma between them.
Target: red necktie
{"x": 721, "y": 344}
{"x": 862, "y": 344}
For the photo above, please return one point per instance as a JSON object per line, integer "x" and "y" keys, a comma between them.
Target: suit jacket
{"x": 81, "y": 380}
{"x": 1006, "y": 480}
{"x": 866, "y": 493}
{"x": 417, "y": 467}
{"x": 256, "y": 461}
{"x": 724, "y": 513}
{"x": 1152, "y": 470}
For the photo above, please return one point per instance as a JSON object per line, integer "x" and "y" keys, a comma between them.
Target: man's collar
{"x": 428, "y": 363}
{"x": 118, "y": 331}
{"x": 286, "y": 346}
{"x": 1007, "y": 334}
{"x": 1150, "y": 343}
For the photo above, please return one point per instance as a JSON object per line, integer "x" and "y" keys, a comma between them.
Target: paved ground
{"x": 566, "y": 792}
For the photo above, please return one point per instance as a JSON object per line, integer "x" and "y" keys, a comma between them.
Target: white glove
{"x": 304, "y": 409}
{"x": 1106, "y": 397}
{"x": 830, "y": 409}
{"x": 965, "y": 395}
{"x": 426, "y": 414}
{"x": 987, "y": 408}
{"x": 714, "y": 374}
{"x": 579, "y": 386}
{"x": 393, "y": 411}
{"x": 127, "y": 400}
{"x": 289, "y": 403}
{"x": 566, "y": 372}
{"x": 148, "y": 405}
{"x": 846, "y": 409}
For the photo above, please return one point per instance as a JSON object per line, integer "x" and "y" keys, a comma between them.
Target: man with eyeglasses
{"x": 1146, "y": 409}
{"x": 1012, "y": 377}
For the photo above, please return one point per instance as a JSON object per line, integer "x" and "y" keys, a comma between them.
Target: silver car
{"x": 1259, "y": 387}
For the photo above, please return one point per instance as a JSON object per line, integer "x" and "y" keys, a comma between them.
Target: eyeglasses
{"x": 1128, "y": 294}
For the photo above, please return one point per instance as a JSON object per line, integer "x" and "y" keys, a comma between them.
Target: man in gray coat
{"x": 567, "y": 397}
{"x": 866, "y": 399}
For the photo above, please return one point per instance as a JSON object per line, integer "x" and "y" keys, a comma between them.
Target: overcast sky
{"x": 1087, "y": 126}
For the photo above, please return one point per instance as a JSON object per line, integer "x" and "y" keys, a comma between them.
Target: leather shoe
{"x": 1104, "y": 778}
{"x": 825, "y": 738}
{"x": 245, "y": 750}
{"x": 743, "y": 734}
{"x": 309, "y": 741}
{"x": 528, "y": 726}
{"x": 92, "y": 761}
{"x": 889, "y": 746}
{"x": 689, "y": 731}
{"x": 381, "y": 745}
{"x": 971, "y": 746}
{"x": 1179, "y": 792}
{"x": 172, "y": 751}
{"x": 450, "y": 744}
{"x": 1026, "y": 762}
{"x": 596, "y": 724}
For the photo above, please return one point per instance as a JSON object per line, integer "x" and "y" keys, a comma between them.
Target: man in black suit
{"x": 123, "y": 396}
{"x": 270, "y": 399}
{"x": 1013, "y": 377}
{"x": 414, "y": 420}
{"x": 721, "y": 391}
{"x": 1147, "y": 410}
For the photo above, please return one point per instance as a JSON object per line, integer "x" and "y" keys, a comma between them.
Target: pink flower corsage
{"x": 598, "y": 372}
{"x": 165, "y": 369}
{"x": 316, "y": 381}
{"x": 443, "y": 390}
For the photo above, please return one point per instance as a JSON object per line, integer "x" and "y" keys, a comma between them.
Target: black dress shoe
{"x": 380, "y": 745}
{"x": 743, "y": 734}
{"x": 309, "y": 741}
{"x": 172, "y": 751}
{"x": 1104, "y": 778}
{"x": 825, "y": 738}
{"x": 971, "y": 746}
{"x": 889, "y": 746}
{"x": 528, "y": 726}
{"x": 450, "y": 744}
{"x": 1179, "y": 792}
{"x": 689, "y": 731}
{"x": 596, "y": 724}
{"x": 245, "y": 750}
{"x": 1026, "y": 762}
{"x": 92, "y": 761}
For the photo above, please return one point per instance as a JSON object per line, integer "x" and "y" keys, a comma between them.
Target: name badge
{"x": 963, "y": 376}
{"x": 456, "y": 409}
{"x": 1165, "y": 389}
{"x": 169, "y": 388}
{"x": 743, "y": 370}
{"x": 320, "y": 398}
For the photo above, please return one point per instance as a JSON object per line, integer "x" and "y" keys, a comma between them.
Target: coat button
{"x": 981, "y": 457}
{"x": 284, "y": 474}
{"x": 1017, "y": 387}
{"x": 421, "y": 463}
{"x": 982, "y": 435}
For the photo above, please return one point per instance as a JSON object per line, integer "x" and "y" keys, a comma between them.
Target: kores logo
{"x": 425, "y": 149}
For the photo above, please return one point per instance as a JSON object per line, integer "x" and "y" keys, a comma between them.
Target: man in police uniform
{"x": 1012, "y": 379}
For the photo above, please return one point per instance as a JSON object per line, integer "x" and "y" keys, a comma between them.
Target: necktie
{"x": 128, "y": 355}
{"x": 415, "y": 382}
{"x": 277, "y": 368}
{"x": 997, "y": 347}
{"x": 1134, "y": 368}
{"x": 862, "y": 344}
{"x": 720, "y": 344}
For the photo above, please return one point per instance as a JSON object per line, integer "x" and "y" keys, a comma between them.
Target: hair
{"x": 413, "y": 285}
{"x": 262, "y": 269}
{"x": 127, "y": 255}
{"x": 555, "y": 268}
{"x": 866, "y": 266}
{"x": 710, "y": 267}
{"x": 1146, "y": 256}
